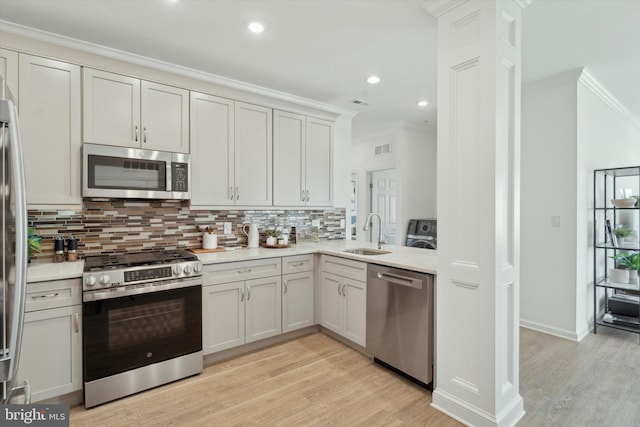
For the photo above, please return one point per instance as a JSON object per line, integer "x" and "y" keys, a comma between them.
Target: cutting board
{"x": 206, "y": 251}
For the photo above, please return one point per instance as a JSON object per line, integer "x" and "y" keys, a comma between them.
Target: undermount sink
{"x": 367, "y": 251}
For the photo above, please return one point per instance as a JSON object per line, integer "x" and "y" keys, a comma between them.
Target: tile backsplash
{"x": 117, "y": 226}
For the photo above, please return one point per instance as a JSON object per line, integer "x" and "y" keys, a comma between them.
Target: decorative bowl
{"x": 623, "y": 203}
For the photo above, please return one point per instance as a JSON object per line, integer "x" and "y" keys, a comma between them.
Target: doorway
{"x": 382, "y": 199}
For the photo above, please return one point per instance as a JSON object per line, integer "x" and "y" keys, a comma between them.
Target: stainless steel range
{"x": 142, "y": 317}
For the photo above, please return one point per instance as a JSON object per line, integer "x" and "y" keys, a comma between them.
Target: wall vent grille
{"x": 382, "y": 149}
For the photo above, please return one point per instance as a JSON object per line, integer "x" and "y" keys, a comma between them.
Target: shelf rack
{"x": 605, "y": 187}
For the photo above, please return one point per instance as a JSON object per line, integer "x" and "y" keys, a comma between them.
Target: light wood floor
{"x": 317, "y": 381}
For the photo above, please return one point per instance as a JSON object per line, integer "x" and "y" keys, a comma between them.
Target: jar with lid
{"x": 58, "y": 249}
{"x": 72, "y": 249}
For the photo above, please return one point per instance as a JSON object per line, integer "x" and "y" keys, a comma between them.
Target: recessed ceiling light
{"x": 422, "y": 103}
{"x": 372, "y": 80}
{"x": 256, "y": 27}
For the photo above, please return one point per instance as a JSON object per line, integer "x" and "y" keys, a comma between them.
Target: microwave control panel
{"x": 179, "y": 176}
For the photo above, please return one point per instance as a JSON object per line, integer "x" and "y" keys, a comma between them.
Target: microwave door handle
{"x": 167, "y": 186}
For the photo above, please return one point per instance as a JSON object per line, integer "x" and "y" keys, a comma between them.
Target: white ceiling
{"x": 324, "y": 49}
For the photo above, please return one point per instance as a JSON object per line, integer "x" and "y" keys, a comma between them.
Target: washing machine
{"x": 422, "y": 233}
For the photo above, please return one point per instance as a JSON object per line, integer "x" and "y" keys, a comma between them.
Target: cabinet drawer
{"x": 356, "y": 270}
{"x": 216, "y": 274}
{"x": 297, "y": 264}
{"x": 57, "y": 293}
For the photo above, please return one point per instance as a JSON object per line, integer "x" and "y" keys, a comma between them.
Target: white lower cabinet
{"x": 297, "y": 292}
{"x": 343, "y": 290}
{"x": 51, "y": 355}
{"x": 242, "y": 311}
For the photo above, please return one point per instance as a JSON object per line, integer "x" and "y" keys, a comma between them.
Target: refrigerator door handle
{"x": 26, "y": 390}
{"x": 9, "y": 116}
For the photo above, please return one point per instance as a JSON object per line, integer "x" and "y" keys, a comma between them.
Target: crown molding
{"x": 120, "y": 55}
{"x": 587, "y": 80}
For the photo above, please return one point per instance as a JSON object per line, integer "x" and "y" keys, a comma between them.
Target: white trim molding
{"x": 587, "y": 80}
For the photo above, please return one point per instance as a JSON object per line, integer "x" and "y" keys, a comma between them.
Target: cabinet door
{"x": 165, "y": 118}
{"x": 253, "y": 155}
{"x": 288, "y": 159}
{"x": 111, "y": 109}
{"x": 297, "y": 301}
{"x": 318, "y": 162}
{"x": 50, "y": 128}
{"x": 223, "y": 314}
{"x": 355, "y": 316}
{"x": 51, "y": 355}
{"x": 332, "y": 312}
{"x": 263, "y": 308}
{"x": 9, "y": 72}
{"x": 211, "y": 150}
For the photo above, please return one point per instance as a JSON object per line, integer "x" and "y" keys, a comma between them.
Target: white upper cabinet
{"x": 128, "y": 112}
{"x": 253, "y": 155}
{"x": 302, "y": 160}
{"x": 50, "y": 126}
{"x": 9, "y": 73}
{"x": 212, "y": 158}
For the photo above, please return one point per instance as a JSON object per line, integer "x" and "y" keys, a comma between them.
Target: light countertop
{"x": 415, "y": 259}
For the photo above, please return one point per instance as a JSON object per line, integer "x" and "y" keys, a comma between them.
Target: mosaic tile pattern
{"x": 117, "y": 226}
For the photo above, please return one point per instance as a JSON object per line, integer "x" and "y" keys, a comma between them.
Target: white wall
{"x": 413, "y": 155}
{"x": 567, "y": 131}
{"x": 608, "y": 138}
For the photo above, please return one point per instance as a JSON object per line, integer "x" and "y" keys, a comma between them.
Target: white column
{"x": 477, "y": 301}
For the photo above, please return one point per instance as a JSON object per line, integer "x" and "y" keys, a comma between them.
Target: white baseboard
{"x": 551, "y": 330}
{"x": 472, "y": 416}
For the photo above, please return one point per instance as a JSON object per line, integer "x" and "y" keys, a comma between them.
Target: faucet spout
{"x": 366, "y": 226}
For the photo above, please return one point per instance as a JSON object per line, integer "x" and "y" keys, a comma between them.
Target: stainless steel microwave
{"x": 119, "y": 172}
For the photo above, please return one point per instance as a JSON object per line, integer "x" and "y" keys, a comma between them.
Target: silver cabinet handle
{"x": 231, "y": 193}
{"x": 241, "y": 295}
{"x": 308, "y": 196}
{"x": 339, "y": 287}
{"x": 344, "y": 294}
{"x": 297, "y": 264}
{"x": 45, "y": 296}
{"x": 246, "y": 270}
{"x": 144, "y": 131}
{"x": 302, "y": 195}
{"x": 285, "y": 286}
{"x": 237, "y": 193}
{"x": 136, "y": 130}
{"x": 248, "y": 293}
{"x": 77, "y": 322}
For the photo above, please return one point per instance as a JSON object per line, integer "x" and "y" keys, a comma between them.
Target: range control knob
{"x": 90, "y": 280}
{"x": 187, "y": 269}
{"x": 197, "y": 267}
{"x": 177, "y": 270}
{"x": 104, "y": 279}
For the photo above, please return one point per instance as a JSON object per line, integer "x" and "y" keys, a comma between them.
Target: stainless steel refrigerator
{"x": 13, "y": 244}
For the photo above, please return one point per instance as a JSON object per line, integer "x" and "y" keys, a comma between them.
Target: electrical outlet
{"x": 315, "y": 223}
{"x": 342, "y": 223}
{"x": 556, "y": 221}
{"x": 227, "y": 228}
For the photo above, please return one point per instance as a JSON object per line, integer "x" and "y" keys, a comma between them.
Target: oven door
{"x": 133, "y": 331}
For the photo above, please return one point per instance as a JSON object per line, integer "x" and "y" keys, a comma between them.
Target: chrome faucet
{"x": 366, "y": 226}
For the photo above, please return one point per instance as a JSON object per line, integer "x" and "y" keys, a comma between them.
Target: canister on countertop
{"x": 72, "y": 249}
{"x": 58, "y": 249}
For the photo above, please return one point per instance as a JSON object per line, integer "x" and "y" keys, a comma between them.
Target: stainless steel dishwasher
{"x": 400, "y": 320}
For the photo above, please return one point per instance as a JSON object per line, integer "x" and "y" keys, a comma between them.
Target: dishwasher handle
{"x": 400, "y": 280}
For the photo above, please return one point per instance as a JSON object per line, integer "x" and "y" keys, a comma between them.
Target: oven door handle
{"x": 145, "y": 288}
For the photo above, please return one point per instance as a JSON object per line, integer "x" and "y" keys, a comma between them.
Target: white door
{"x": 51, "y": 355}
{"x": 253, "y": 155}
{"x": 111, "y": 109}
{"x": 165, "y": 118}
{"x": 331, "y": 307}
{"x": 383, "y": 201}
{"x": 318, "y": 162}
{"x": 355, "y": 323}
{"x": 297, "y": 301}
{"x": 50, "y": 126}
{"x": 223, "y": 323}
{"x": 288, "y": 159}
{"x": 211, "y": 150}
{"x": 263, "y": 308}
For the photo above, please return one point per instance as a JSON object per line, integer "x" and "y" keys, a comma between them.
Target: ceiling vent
{"x": 359, "y": 102}
{"x": 382, "y": 149}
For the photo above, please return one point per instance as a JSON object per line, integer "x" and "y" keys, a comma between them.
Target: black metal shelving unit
{"x": 605, "y": 187}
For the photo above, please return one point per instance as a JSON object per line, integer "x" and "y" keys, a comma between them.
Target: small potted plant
{"x": 627, "y": 266}
{"x": 623, "y": 233}
{"x": 272, "y": 236}
{"x": 33, "y": 243}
